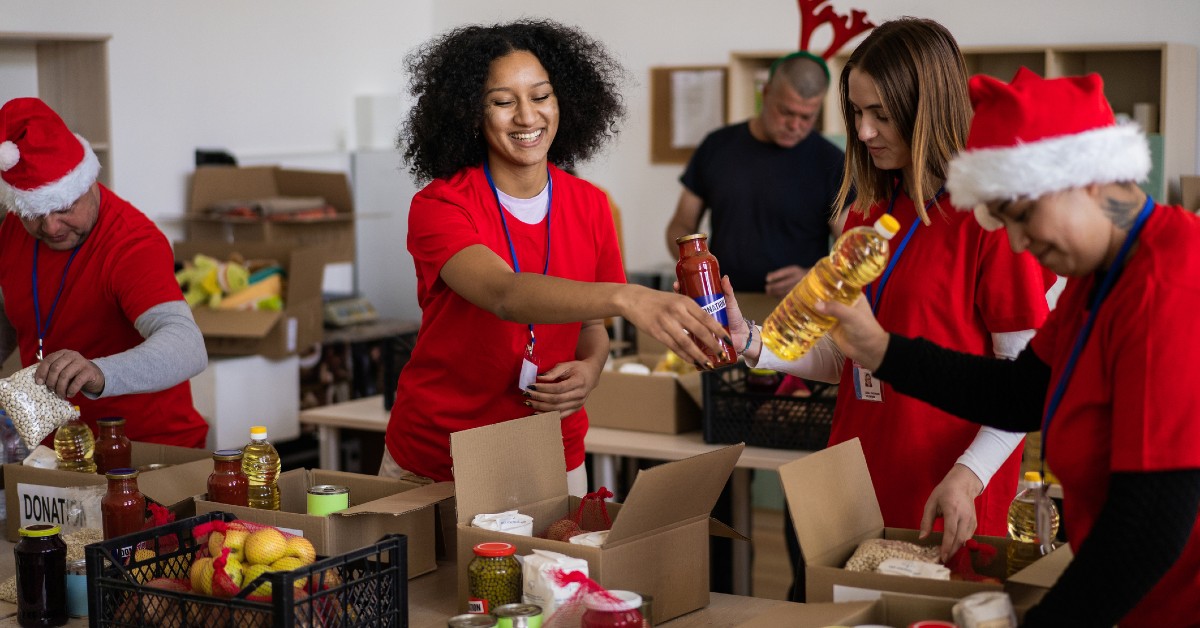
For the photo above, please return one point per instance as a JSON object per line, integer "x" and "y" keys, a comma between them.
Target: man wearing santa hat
{"x": 1110, "y": 378}
{"x": 88, "y": 286}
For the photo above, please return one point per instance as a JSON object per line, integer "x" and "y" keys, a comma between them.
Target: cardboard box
{"x": 32, "y": 494}
{"x": 663, "y": 403}
{"x": 214, "y": 184}
{"x": 891, "y": 609}
{"x": 658, "y": 543}
{"x": 273, "y": 334}
{"x": 1190, "y": 192}
{"x": 230, "y": 389}
{"x": 834, "y": 509}
{"x": 378, "y": 506}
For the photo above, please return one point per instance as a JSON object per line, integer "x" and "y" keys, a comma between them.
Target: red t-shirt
{"x": 464, "y": 369}
{"x": 124, "y": 268}
{"x": 954, "y": 284}
{"x": 1131, "y": 404}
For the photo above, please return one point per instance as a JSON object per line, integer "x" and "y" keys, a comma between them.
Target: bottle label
{"x": 714, "y": 304}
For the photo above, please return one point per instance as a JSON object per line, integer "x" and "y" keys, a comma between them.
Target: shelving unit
{"x": 72, "y": 77}
{"x": 1162, "y": 75}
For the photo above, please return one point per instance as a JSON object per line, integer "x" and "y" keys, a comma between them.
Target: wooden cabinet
{"x": 71, "y": 75}
{"x": 1154, "y": 82}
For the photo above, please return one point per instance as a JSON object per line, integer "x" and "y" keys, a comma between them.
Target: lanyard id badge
{"x": 529, "y": 362}
{"x": 867, "y": 387}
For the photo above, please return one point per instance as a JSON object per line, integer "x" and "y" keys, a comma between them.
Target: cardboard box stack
{"x": 378, "y": 506}
{"x": 658, "y": 543}
{"x": 834, "y": 509}
{"x": 891, "y": 609}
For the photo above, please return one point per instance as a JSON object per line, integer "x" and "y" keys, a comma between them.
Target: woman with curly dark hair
{"x": 517, "y": 261}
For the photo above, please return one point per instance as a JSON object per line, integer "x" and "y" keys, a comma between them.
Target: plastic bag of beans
{"x": 34, "y": 409}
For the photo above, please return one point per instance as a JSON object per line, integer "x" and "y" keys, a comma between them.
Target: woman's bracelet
{"x": 749, "y": 336}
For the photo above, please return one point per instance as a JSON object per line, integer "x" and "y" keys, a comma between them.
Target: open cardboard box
{"x": 272, "y": 334}
{"x": 33, "y": 495}
{"x": 214, "y": 184}
{"x": 834, "y": 509}
{"x": 660, "y": 402}
{"x": 378, "y": 506}
{"x": 658, "y": 543}
{"x": 891, "y": 609}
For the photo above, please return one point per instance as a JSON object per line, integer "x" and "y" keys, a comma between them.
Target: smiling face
{"x": 787, "y": 117}
{"x": 874, "y": 125}
{"x": 520, "y": 113}
{"x": 1066, "y": 231}
{"x": 66, "y": 228}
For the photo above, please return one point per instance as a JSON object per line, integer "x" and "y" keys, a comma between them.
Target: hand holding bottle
{"x": 857, "y": 333}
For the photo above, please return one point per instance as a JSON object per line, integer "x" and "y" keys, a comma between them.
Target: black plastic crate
{"x": 365, "y": 587}
{"x": 733, "y": 414}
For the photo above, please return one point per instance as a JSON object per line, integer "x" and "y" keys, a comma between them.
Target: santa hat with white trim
{"x": 1035, "y": 136}
{"x": 44, "y": 167}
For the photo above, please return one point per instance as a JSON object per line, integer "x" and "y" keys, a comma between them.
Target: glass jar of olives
{"x": 494, "y": 577}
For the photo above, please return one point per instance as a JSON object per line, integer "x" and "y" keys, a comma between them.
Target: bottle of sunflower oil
{"x": 75, "y": 446}
{"x": 260, "y": 463}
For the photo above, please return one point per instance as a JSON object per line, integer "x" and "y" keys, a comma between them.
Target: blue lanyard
{"x": 487, "y": 172}
{"x": 44, "y": 326}
{"x": 874, "y": 296}
{"x": 1110, "y": 278}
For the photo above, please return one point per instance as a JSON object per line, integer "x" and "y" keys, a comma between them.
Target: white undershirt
{"x": 530, "y": 211}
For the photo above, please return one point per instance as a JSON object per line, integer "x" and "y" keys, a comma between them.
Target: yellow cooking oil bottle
{"x": 260, "y": 463}
{"x": 75, "y": 446}
{"x": 858, "y": 258}
{"x": 1025, "y": 546}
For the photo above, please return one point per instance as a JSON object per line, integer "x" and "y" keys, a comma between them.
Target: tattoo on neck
{"x": 1121, "y": 212}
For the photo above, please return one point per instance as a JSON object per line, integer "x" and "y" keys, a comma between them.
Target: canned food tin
{"x": 472, "y": 620}
{"x": 327, "y": 498}
{"x": 519, "y": 616}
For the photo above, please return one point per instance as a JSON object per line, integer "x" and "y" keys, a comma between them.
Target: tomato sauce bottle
{"x": 699, "y": 277}
{"x": 113, "y": 449}
{"x": 123, "y": 508}
{"x": 227, "y": 484}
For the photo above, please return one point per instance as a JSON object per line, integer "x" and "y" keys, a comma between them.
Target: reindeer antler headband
{"x": 814, "y": 13}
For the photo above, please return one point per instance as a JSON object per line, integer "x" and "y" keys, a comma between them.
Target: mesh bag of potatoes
{"x": 34, "y": 409}
{"x": 874, "y": 551}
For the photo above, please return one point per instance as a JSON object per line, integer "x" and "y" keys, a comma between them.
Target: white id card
{"x": 529, "y": 373}
{"x": 866, "y": 386}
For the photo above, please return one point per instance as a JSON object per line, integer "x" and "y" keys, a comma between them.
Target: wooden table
{"x": 606, "y": 445}
{"x": 433, "y": 599}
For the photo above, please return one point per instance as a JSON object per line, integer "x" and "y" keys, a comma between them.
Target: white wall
{"x": 276, "y": 79}
{"x": 680, "y": 32}
{"x": 268, "y": 80}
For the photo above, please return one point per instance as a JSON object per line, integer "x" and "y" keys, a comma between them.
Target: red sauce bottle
{"x": 700, "y": 278}
{"x": 123, "y": 508}
{"x": 113, "y": 449}
{"x": 227, "y": 484}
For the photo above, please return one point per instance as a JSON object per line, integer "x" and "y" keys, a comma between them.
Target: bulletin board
{"x": 686, "y": 103}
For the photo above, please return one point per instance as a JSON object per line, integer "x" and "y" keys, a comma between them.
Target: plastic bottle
{"x": 1024, "y": 546}
{"x": 75, "y": 446}
{"x": 260, "y": 463}
{"x": 699, "y": 277}
{"x": 15, "y": 450}
{"x": 858, "y": 258}
{"x": 113, "y": 449}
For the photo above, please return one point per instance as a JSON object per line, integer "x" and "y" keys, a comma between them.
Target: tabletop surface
{"x": 368, "y": 414}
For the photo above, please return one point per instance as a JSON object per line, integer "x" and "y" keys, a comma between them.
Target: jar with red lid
{"x": 113, "y": 449}
{"x": 493, "y": 577}
{"x": 123, "y": 508}
{"x": 228, "y": 484}
{"x": 612, "y": 609}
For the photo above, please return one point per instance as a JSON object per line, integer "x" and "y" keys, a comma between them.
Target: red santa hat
{"x": 1035, "y": 136}
{"x": 44, "y": 167}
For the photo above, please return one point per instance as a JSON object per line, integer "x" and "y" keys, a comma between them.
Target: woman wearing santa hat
{"x": 904, "y": 92}
{"x": 1110, "y": 378}
{"x": 88, "y": 286}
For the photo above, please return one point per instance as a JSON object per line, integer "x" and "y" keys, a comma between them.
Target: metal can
{"x": 519, "y": 616}
{"x": 327, "y": 498}
{"x": 472, "y": 620}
